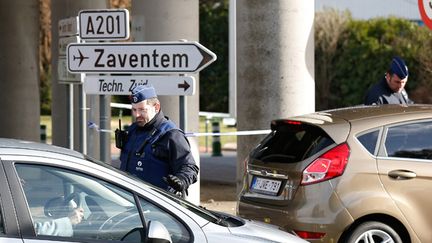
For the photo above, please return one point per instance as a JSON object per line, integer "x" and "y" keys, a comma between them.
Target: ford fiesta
{"x": 359, "y": 174}
{"x": 52, "y": 194}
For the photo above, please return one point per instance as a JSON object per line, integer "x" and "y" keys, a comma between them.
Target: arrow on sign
{"x": 184, "y": 85}
{"x": 123, "y": 84}
{"x": 138, "y": 57}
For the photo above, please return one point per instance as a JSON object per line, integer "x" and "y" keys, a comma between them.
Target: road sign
{"x": 68, "y": 27}
{"x": 64, "y": 41}
{"x": 138, "y": 57}
{"x": 122, "y": 85}
{"x": 425, "y": 8}
{"x": 63, "y": 75}
{"x": 104, "y": 24}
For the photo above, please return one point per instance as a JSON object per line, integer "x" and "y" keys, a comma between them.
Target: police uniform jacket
{"x": 381, "y": 93}
{"x": 156, "y": 150}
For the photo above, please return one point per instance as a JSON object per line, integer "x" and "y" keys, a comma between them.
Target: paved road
{"x": 219, "y": 168}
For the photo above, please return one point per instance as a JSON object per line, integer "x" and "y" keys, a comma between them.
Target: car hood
{"x": 262, "y": 230}
{"x": 236, "y": 230}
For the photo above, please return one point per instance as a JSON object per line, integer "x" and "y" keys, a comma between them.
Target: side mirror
{"x": 158, "y": 233}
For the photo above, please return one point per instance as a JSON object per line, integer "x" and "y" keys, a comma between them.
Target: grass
{"x": 46, "y": 120}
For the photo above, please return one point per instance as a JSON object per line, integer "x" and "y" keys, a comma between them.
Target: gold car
{"x": 358, "y": 174}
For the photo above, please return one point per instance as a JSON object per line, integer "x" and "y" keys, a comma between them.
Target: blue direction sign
{"x": 138, "y": 57}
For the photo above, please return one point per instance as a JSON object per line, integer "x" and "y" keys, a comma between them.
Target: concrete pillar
{"x": 61, "y": 9}
{"x": 19, "y": 68}
{"x": 275, "y": 66}
{"x": 171, "y": 20}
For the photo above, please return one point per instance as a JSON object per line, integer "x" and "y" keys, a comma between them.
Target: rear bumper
{"x": 312, "y": 218}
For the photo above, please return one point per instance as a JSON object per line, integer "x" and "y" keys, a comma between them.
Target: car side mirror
{"x": 158, "y": 233}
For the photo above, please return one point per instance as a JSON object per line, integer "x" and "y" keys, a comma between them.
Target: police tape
{"x": 92, "y": 125}
{"x": 238, "y": 133}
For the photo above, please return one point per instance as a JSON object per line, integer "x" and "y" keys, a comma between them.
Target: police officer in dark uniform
{"x": 154, "y": 149}
{"x": 391, "y": 89}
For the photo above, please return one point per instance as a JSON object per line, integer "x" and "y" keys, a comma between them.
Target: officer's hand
{"x": 176, "y": 183}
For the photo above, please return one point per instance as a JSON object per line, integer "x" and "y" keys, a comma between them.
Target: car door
{"x": 47, "y": 197}
{"x": 111, "y": 210}
{"x": 405, "y": 169}
{"x": 9, "y": 232}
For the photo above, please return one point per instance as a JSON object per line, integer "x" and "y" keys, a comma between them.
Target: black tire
{"x": 375, "y": 232}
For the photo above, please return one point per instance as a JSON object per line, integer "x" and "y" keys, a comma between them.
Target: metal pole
{"x": 232, "y": 40}
{"x": 71, "y": 118}
{"x": 183, "y": 112}
{"x": 207, "y": 121}
{"x": 105, "y": 135}
{"x": 83, "y": 119}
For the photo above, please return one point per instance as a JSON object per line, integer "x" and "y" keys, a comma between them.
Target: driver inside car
{"x": 61, "y": 226}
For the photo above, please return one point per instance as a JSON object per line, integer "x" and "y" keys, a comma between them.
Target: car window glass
{"x": 53, "y": 193}
{"x": 410, "y": 141}
{"x": 178, "y": 232}
{"x": 289, "y": 143}
{"x": 369, "y": 140}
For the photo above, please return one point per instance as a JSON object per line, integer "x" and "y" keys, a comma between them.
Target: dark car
{"x": 358, "y": 174}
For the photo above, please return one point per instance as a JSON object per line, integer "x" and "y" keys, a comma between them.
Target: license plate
{"x": 265, "y": 186}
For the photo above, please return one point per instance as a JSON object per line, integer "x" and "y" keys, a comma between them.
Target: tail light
{"x": 328, "y": 166}
{"x": 309, "y": 235}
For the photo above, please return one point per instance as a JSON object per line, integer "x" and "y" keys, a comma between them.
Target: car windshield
{"x": 291, "y": 141}
{"x": 201, "y": 211}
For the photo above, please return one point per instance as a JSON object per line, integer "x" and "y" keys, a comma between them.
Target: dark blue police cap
{"x": 399, "y": 67}
{"x": 142, "y": 92}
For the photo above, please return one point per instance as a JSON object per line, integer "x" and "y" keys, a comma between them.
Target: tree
{"x": 214, "y": 35}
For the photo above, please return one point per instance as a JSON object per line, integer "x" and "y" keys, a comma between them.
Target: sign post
{"x": 103, "y": 25}
{"x": 68, "y": 31}
{"x": 118, "y": 67}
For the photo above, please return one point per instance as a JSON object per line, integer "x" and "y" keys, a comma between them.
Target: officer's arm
{"x": 181, "y": 160}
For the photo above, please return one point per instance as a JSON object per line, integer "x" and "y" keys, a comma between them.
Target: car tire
{"x": 374, "y": 232}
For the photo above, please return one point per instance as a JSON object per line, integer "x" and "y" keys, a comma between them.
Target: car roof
{"x": 354, "y": 113}
{"x": 15, "y": 146}
{"x": 339, "y": 122}
{"x": 377, "y": 111}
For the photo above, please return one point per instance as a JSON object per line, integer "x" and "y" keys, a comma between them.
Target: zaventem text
{"x": 152, "y": 60}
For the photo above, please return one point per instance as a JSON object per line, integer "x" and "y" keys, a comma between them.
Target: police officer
{"x": 154, "y": 149}
{"x": 391, "y": 89}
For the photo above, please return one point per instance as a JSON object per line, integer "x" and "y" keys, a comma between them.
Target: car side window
{"x": 410, "y": 141}
{"x": 369, "y": 141}
{"x": 178, "y": 232}
{"x": 71, "y": 204}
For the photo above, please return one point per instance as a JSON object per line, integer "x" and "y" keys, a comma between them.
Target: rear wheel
{"x": 374, "y": 232}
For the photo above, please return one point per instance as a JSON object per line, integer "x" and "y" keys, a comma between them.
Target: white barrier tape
{"x": 238, "y": 133}
{"x": 92, "y": 125}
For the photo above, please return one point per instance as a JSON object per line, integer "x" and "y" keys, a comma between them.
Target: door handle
{"x": 402, "y": 174}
